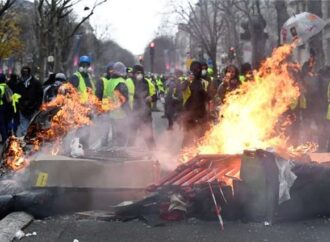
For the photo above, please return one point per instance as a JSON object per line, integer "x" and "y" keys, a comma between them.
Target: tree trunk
{"x": 282, "y": 16}
{"x": 316, "y": 41}
{"x": 253, "y": 45}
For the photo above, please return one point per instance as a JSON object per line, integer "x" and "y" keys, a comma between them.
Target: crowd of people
{"x": 190, "y": 99}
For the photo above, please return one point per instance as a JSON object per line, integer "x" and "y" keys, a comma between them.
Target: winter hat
{"x": 109, "y": 66}
{"x": 138, "y": 68}
{"x": 119, "y": 69}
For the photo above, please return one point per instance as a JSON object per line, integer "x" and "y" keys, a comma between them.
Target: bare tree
{"x": 51, "y": 22}
{"x": 204, "y": 23}
{"x": 5, "y": 5}
{"x": 232, "y": 19}
{"x": 255, "y": 24}
{"x": 282, "y": 16}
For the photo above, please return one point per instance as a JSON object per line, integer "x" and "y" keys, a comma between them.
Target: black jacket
{"x": 31, "y": 96}
{"x": 195, "y": 107}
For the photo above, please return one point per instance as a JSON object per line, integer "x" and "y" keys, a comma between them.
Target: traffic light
{"x": 152, "y": 55}
{"x": 141, "y": 59}
{"x": 152, "y": 48}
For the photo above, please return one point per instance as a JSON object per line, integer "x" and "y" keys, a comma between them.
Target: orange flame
{"x": 74, "y": 112}
{"x": 15, "y": 158}
{"x": 251, "y": 116}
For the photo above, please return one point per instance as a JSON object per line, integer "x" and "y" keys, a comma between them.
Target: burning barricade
{"x": 230, "y": 173}
{"x": 257, "y": 186}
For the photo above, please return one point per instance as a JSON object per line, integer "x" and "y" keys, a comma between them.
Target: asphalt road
{"x": 69, "y": 228}
{"x": 66, "y": 229}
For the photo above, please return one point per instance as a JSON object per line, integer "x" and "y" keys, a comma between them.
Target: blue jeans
{"x": 23, "y": 125}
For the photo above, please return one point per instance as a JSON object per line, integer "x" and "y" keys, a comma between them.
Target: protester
{"x": 246, "y": 73}
{"x": 5, "y": 107}
{"x": 82, "y": 78}
{"x": 13, "y": 113}
{"x": 144, "y": 96}
{"x": 312, "y": 115}
{"x": 51, "y": 89}
{"x": 130, "y": 86}
{"x": 194, "y": 114}
{"x": 111, "y": 89}
{"x": 30, "y": 90}
{"x": 229, "y": 83}
{"x": 173, "y": 98}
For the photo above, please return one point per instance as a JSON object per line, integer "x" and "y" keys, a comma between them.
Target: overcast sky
{"x": 131, "y": 23}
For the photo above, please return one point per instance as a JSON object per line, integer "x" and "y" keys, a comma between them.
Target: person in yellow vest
{"x": 14, "y": 112}
{"x": 324, "y": 130}
{"x": 130, "y": 86}
{"x": 81, "y": 79}
{"x": 313, "y": 115}
{"x": 144, "y": 96}
{"x": 194, "y": 115}
{"x": 246, "y": 73}
{"x": 211, "y": 87}
{"x": 173, "y": 98}
{"x": 5, "y": 104}
{"x": 295, "y": 110}
{"x": 108, "y": 89}
{"x": 159, "y": 84}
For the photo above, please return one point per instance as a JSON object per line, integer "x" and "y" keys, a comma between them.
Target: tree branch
{"x": 96, "y": 4}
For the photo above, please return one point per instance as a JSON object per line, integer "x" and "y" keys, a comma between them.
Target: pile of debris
{"x": 257, "y": 186}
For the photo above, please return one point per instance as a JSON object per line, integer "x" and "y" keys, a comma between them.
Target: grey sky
{"x": 131, "y": 23}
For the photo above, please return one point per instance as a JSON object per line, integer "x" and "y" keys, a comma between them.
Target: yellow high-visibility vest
{"x": 109, "y": 86}
{"x": 82, "y": 88}
{"x": 131, "y": 90}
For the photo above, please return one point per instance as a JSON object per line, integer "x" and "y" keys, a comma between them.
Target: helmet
{"x": 85, "y": 59}
{"x": 109, "y": 66}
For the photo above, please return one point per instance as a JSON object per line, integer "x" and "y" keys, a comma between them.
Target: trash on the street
{"x": 19, "y": 234}
{"x": 76, "y": 148}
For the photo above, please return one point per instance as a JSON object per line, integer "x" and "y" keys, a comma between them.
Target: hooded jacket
{"x": 31, "y": 96}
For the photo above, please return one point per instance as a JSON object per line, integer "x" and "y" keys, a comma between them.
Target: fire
{"x": 15, "y": 158}
{"x": 252, "y": 116}
{"x": 72, "y": 112}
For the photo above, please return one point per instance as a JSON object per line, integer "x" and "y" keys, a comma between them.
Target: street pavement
{"x": 72, "y": 228}
{"x": 68, "y": 228}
